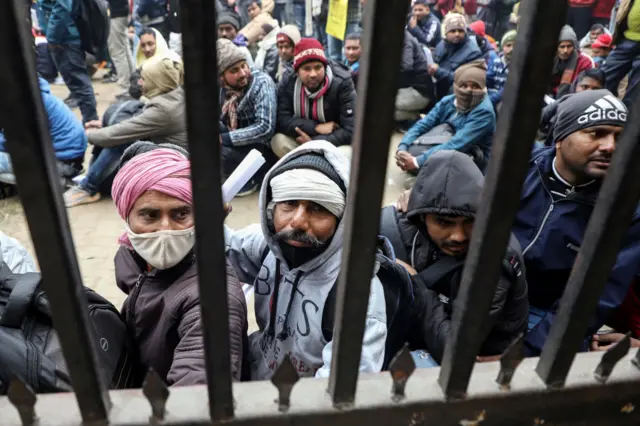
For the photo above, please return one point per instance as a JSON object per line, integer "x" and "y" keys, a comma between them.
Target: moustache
{"x": 602, "y": 158}
{"x": 300, "y": 237}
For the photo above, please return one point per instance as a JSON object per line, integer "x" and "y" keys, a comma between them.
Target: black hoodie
{"x": 451, "y": 184}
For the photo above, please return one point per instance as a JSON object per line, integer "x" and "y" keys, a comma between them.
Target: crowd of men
{"x": 293, "y": 98}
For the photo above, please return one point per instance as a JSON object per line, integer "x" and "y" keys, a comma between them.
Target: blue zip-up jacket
{"x": 450, "y": 56}
{"x": 474, "y": 128}
{"x": 551, "y": 233}
{"x": 56, "y": 21}
{"x": 152, "y": 10}
{"x": 427, "y": 31}
{"x": 497, "y": 73}
{"x": 257, "y": 112}
{"x": 67, "y": 134}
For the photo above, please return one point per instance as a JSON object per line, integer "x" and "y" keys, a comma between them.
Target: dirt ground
{"x": 96, "y": 227}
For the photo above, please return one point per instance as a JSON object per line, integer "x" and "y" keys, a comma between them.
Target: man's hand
{"x": 433, "y": 69}
{"x": 403, "y": 201}
{"x": 227, "y": 209}
{"x": 93, "y": 124}
{"x": 326, "y": 128}
{"x": 406, "y": 161}
{"x": 303, "y": 137}
{"x": 603, "y": 342}
{"x": 412, "y": 271}
{"x": 413, "y": 21}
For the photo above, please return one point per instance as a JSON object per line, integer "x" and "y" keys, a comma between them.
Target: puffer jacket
{"x": 163, "y": 120}
{"x": 475, "y": 128}
{"x": 289, "y": 305}
{"x": 452, "y": 184}
{"x": 267, "y": 58}
{"x": 450, "y": 57}
{"x": 427, "y": 31}
{"x": 162, "y": 313}
{"x": 56, "y": 21}
{"x": 413, "y": 67}
{"x": 339, "y": 107}
{"x": 551, "y": 228}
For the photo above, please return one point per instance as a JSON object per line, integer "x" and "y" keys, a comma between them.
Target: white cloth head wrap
{"x": 310, "y": 185}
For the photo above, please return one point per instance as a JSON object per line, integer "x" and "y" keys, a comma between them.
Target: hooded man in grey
{"x": 431, "y": 239}
{"x": 293, "y": 260}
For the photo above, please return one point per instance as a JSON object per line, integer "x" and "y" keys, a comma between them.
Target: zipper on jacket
{"x": 544, "y": 221}
{"x": 131, "y": 317}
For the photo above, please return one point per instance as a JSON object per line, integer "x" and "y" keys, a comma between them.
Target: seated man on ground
{"x": 600, "y": 50}
{"x": 568, "y": 63}
{"x": 456, "y": 49}
{"x": 478, "y": 30}
{"x": 156, "y": 267}
{"x": 424, "y": 25}
{"x": 267, "y": 58}
{"x": 293, "y": 260}
{"x": 596, "y": 31}
{"x": 163, "y": 120}
{"x": 352, "y": 52}
{"x": 151, "y": 45}
{"x": 498, "y": 70}
{"x": 468, "y": 114}
{"x": 315, "y": 103}
{"x": 259, "y": 16}
{"x": 228, "y": 27}
{"x": 248, "y": 112}
{"x": 558, "y": 198}
{"x": 430, "y": 237}
{"x": 67, "y": 136}
{"x": 288, "y": 37}
{"x": 415, "y": 88}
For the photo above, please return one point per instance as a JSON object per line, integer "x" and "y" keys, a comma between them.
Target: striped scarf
{"x": 230, "y": 106}
{"x": 311, "y": 105}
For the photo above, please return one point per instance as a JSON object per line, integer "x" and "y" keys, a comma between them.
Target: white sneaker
{"x": 76, "y": 196}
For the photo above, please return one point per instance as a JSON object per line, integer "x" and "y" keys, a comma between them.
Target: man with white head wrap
{"x": 293, "y": 260}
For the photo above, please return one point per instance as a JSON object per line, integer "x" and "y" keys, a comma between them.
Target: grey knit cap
{"x": 229, "y": 18}
{"x": 568, "y": 34}
{"x": 228, "y": 54}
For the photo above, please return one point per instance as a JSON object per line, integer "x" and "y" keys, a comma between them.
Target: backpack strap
{"x": 389, "y": 228}
{"x": 25, "y": 288}
{"x": 329, "y": 313}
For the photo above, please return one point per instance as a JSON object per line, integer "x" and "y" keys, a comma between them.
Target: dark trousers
{"x": 580, "y": 20}
{"x": 70, "y": 61}
{"x": 624, "y": 58}
{"x": 103, "y": 167}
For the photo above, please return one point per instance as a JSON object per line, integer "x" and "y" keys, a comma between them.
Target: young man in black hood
{"x": 431, "y": 239}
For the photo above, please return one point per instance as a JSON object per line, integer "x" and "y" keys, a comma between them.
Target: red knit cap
{"x": 308, "y": 49}
{"x": 479, "y": 28}
{"x": 603, "y": 40}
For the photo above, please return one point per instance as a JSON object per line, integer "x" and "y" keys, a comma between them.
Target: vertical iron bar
{"x": 383, "y": 34}
{"x": 609, "y": 222}
{"x": 26, "y": 129}
{"x": 203, "y": 110}
{"x": 519, "y": 119}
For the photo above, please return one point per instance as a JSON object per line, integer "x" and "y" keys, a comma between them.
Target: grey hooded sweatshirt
{"x": 253, "y": 252}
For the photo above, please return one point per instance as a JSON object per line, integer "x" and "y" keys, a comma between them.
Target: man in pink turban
{"x": 156, "y": 267}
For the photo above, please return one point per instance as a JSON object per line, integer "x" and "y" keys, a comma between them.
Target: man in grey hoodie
{"x": 293, "y": 260}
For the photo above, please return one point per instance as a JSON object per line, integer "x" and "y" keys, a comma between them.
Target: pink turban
{"x": 163, "y": 170}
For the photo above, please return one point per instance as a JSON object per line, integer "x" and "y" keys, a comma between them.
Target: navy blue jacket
{"x": 56, "y": 21}
{"x": 450, "y": 56}
{"x": 551, "y": 233}
{"x": 428, "y": 31}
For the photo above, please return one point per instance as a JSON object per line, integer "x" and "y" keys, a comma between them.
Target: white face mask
{"x": 163, "y": 249}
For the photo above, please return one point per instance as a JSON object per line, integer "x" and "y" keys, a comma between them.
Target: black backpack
{"x": 30, "y": 348}
{"x": 404, "y": 304}
{"x": 92, "y": 21}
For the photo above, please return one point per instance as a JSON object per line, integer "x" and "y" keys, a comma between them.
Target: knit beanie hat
{"x": 290, "y": 34}
{"x": 228, "y": 18}
{"x": 161, "y": 75}
{"x": 567, "y": 34}
{"x": 454, "y": 21}
{"x": 228, "y": 54}
{"x": 603, "y": 40}
{"x": 308, "y": 49}
{"x": 475, "y": 71}
{"x": 587, "y": 109}
{"x": 509, "y": 37}
{"x": 479, "y": 28}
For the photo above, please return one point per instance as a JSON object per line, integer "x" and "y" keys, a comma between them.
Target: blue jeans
{"x": 336, "y": 53}
{"x": 282, "y": 13}
{"x": 6, "y": 169}
{"x": 103, "y": 164}
{"x": 423, "y": 359}
{"x": 320, "y": 32}
{"x": 70, "y": 60}
{"x": 624, "y": 58}
{"x": 299, "y": 13}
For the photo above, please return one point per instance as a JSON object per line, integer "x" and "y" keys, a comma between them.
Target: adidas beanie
{"x": 587, "y": 109}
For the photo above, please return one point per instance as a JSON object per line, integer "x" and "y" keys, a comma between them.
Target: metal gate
{"x": 561, "y": 387}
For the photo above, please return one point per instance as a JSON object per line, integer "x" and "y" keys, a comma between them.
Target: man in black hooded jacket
{"x": 431, "y": 238}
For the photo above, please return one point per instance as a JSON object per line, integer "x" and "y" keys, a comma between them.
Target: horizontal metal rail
{"x": 26, "y": 128}
{"x": 515, "y": 133}
{"x": 581, "y": 402}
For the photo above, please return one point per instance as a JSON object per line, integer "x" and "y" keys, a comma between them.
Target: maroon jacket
{"x": 162, "y": 313}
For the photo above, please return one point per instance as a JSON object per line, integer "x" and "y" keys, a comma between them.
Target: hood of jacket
{"x": 341, "y": 166}
{"x": 449, "y": 183}
{"x": 270, "y": 39}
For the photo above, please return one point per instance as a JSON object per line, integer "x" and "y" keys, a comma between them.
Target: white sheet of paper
{"x": 242, "y": 174}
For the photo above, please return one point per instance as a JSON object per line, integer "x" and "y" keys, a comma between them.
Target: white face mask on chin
{"x": 163, "y": 249}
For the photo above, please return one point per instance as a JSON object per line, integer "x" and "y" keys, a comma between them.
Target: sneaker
{"x": 58, "y": 81}
{"x": 110, "y": 78}
{"x": 250, "y": 188}
{"x": 71, "y": 102}
{"x": 409, "y": 182}
{"x": 76, "y": 196}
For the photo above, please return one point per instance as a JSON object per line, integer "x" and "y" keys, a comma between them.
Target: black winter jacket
{"x": 339, "y": 107}
{"x": 451, "y": 184}
{"x": 413, "y": 67}
{"x": 271, "y": 62}
{"x": 118, "y": 8}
